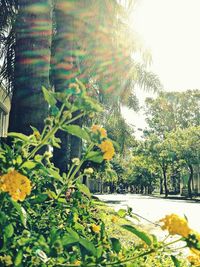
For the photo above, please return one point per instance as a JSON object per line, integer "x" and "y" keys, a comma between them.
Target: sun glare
{"x": 171, "y": 30}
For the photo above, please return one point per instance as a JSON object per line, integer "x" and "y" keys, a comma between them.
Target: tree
{"x": 186, "y": 144}
{"x": 143, "y": 173}
{"x": 7, "y": 41}
{"x": 77, "y": 51}
{"x": 172, "y": 110}
{"x": 162, "y": 153}
{"x": 33, "y": 30}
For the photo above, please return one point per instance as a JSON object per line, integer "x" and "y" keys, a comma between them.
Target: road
{"x": 153, "y": 208}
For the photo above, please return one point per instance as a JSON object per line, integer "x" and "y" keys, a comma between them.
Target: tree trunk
{"x": 32, "y": 65}
{"x": 161, "y": 185}
{"x": 165, "y": 181}
{"x": 75, "y": 142}
{"x": 190, "y": 180}
{"x": 64, "y": 71}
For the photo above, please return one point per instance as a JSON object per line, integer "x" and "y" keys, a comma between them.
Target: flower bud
{"x": 48, "y": 121}
{"x": 67, "y": 115}
{"x": 88, "y": 171}
{"x": 76, "y": 161}
{"x": 37, "y": 135}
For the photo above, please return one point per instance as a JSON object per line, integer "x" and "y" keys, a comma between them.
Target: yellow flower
{"x": 77, "y": 263}
{"x": 114, "y": 219}
{"x": 176, "y": 225}
{"x": 98, "y": 129}
{"x": 108, "y": 149}
{"x": 194, "y": 260}
{"x": 195, "y": 252}
{"x": 96, "y": 228}
{"x": 17, "y": 185}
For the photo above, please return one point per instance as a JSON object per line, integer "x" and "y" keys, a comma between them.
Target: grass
{"x": 113, "y": 223}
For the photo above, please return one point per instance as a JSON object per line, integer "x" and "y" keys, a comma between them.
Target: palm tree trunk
{"x": 32, "y": 64}
{"x": 76, "y": 143}
{"x": 64, "y": 71}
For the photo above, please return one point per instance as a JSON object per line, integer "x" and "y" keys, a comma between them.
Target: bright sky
{"x": 171, "y": 29}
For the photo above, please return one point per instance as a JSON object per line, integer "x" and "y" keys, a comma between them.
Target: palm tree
{"x": 8, "y": 9}
{"x": 64, "y": 70}
{"x": 33, "y": 31}
{"x": 25, "y": 31}
{"x": 89, "y": 42}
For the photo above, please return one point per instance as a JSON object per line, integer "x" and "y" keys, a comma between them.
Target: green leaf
{"x": 29, "y": 164}
{"x": 34, "y": 129}
{"x": 53, "y": 111}
{"x": 18, "y": 259}
{"x": 61, "y": 200}
{"x": 48, "y": 96}
{"x": 72, "y": 233}
{"x": 9, "y": 231}
{"x": 54, "y": 142}
{"x": 51, "y": 194}
{"x": 2, "y": 218}
{"x": 88, "y": 246}
{"x": 116, "y": 244}
{"x": 95, "y": 156}
{"x": 68, "y": 240}
{"x": 19, "y": 136}
{"x": 38, "y": 158}
{"x": 176, "y": 262}
{"x": 55, "y": 174}
{"x": 122, "y": 213}
{"x": 84, "y": 189}
{"x": 99, "y": 252}
{"x": 142, "y": 235}
{"x": 39, "y": 198}
{"x": 19, "y": 160}
{"x": 21, "y": 211}
{"x": 77, "y": 131}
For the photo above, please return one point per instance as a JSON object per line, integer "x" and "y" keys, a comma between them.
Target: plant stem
{"x": 50, "y": 134}
{"x": 117, "y": 263}
{"x": 173, "y": 242}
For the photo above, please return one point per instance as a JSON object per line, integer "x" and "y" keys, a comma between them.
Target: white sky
{"x": 171, "y": 29}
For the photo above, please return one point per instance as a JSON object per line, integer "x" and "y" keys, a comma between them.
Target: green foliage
{"x": 139, "y": 234}
{"x": 58, "y": 224}
{"x": 172, "y": 110}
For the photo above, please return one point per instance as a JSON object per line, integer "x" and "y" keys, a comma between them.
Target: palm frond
{"x": 8, "y": 10}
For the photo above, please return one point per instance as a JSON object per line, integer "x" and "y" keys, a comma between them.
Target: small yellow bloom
{"x": 77, "y": 263}
{"x": 98, "y": 129}
{"x": 121, "y": 255}
{"x": 114, "y": 219}
{"x": 96, "y": 228}
{"x": 17, "y": 185}
{"x": 176, "y": 225}
{"x": 194, "y": 260}
{"x": 108, "y": 149}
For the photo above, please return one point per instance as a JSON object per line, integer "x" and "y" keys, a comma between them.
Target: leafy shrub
{"x": 47, "y": 218}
